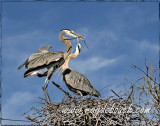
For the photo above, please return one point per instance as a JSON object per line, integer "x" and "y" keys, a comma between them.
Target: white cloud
{"x": 20, "y": 98}
{"x": 83, "y": 31}
{"x": 94, "y": 37}
{"x": 108, "y": 34}
{"x": 148, "y": 45}
{"x": 35, "y": 37}
{"x": 19, "y": 47}
{"x": 93, "y": 64}
{"x": 144, "y": 44}
{"x": 16, "y": 105}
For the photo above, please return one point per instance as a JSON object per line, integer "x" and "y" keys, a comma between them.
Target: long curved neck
{"x": 67, "y": 43}
{"x": 71, "y": 56}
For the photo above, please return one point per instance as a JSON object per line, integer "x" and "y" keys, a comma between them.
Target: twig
{"x": 66, "y": 93}
{"x": 130, "y": 93}
{"x": 144, "y": 73}
{"x": 104, "y": 87}
{"x": 15, "y": 120}
{"x": 33, "y": 119}
{"x": 80, "y": 38}
{"x": 146, "y": 65}
{"x": 116, "y": 94}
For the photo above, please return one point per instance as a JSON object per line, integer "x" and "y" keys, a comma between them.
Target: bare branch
{"x": 66, "y": 93}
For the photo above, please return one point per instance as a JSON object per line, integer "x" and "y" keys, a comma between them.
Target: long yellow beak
{"x": 79, "y": 36}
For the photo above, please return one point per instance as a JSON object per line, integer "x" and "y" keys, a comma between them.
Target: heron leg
{"x": 46, "y": 91}
{"x": 46, "y": 87}
{"x": 43, "y": 87}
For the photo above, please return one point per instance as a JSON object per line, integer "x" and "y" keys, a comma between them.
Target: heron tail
{"x": 25, "y": 63}
{"x": 21, "y": 66}
{"x": 97, "y": 94}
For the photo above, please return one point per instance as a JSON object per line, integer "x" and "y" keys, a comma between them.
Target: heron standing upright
{"x": 45, "y": 63}
{"x": 74, "y": 80}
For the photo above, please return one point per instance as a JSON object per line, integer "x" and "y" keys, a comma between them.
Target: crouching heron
{"x": 75, "y": 81}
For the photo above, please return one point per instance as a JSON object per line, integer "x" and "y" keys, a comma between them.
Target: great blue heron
{"x": 45, "y": 63}
{"x": 74, "y": 80}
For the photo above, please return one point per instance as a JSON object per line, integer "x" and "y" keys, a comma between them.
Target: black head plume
{"x": 65, "y": 29}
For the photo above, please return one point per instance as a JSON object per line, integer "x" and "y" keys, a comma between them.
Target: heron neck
{"x": 67, "y": 43}
{"x": 71, "y": 56}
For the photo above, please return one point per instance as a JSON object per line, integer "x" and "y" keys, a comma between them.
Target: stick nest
{"x": 118, "y": 110}
{"x": 84, "y": 112}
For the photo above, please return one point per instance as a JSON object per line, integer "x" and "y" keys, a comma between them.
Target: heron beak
{"x": 78, "y": 36}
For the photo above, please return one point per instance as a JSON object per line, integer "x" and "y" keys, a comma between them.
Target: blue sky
{"x": 118, "y": 35}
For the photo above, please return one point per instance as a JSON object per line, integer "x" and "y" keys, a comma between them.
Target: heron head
{"x": 71, "y": 33}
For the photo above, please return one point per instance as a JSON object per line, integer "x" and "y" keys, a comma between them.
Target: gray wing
{"x": 38, "y": 53}
{"x": 53, "y": 64}
{"x": 35, "y": 55}
{"x": 80, "y": 82}
{"x": 44, "y": 59}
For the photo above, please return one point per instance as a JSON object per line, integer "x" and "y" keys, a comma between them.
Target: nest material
{"x": 120, "y": 110}
{"x": 84, "y": 111}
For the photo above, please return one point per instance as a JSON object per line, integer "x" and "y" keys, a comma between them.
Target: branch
{"x": 33, "y": 119}
{"x": 144, "y": 73}
{"x": 130, "y": 93}
{"x": 66, "y": 93}
{"x": 116, "y": 94}
{"x": 15, "y": 120}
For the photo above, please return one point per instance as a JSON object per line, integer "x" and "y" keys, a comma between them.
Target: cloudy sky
{"x": 118, "y": 35}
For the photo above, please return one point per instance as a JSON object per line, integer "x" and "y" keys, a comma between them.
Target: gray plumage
{"x": 45, "y": 63}
{"x": 75, "y": 81}
{"x": 49, "y": 61}
{"x": 42, "y": 59}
